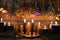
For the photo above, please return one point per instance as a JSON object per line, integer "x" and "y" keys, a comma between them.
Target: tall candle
{"x": 28, "y": 28}
{"x": 24, "y": 24}
{"x": 32, "y": 27}
{"x": 38, "y": 27}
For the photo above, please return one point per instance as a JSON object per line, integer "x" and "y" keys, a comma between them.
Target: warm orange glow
{"x": 1, "y": 19}
{"x": 4, "y": 11}
{"x": 4, "y": 23}
{"x": 38, "y": 25}
{"x": 1, "y": 9}
{"x": 55, "y": 22}
{"x": 24, "y": 20}
{"x": 32, "y": 20}
{"x": 45, "y": 27}
{"x": 9, "y": 23}
{"x": 28, "y": 23}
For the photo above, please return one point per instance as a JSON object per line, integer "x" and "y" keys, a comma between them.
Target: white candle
{"x": 9, "y": 24}
{"x": 1, "y": 19}
{"x": 24, "y": 20}
{"x": 4, "y": 23}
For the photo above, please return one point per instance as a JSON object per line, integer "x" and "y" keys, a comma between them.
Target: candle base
{"x": 31, "y": 35}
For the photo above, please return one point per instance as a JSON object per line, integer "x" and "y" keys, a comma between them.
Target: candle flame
{"x": 55, "y": 22}
{"x": 1, "y": 19}
{"x": 39, "y": 23}
{"x": 45, "y": 27}
{"x": 32, "y": 20}
{"x": 9, "y": 23}
{"x": 24, "y": 20}
{"x": 28, "y": 23}
{"x": 51, "y": 22}
{"x": 4, "y": 23}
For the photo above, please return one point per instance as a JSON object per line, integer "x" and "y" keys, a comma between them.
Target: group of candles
{"x": 4, "y": 23}
{"x": 28, "y": 27}
{"x": 4, "y": 26}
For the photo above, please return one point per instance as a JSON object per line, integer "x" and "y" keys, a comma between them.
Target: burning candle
{"x": 9, "y": 24}
{"x": 55, "y": 22}
{"x": 1, "y": 19}
{"x": 4, "y": 23}
{"x": 24, "y": 26}
{"x": 32, "y": 27}
{"x": 24, "y": 20}
{"x": 38, "y": 27}
{"x": 45, "y": 27}
{"x": 51, "y": 25}
{"x": 32, "y": 20}
{"x": 28, "y": 28}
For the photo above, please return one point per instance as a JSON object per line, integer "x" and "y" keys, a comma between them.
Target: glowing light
{"x": 9, "y": 23}
{"x": 28, "y": 23}
{"x": 55, "y": 22}
{"x": 24, "y": 20}
{"x": 57, "y": 18}
{"x": 51, "y": 22}
{"x": 45, "y": 27}
{"x": 4, "y": 23}
{"x": 1, "y": 19}
{"x": 51, "y": 25}
{"x": 1, "y": 9}
{"x": 32, "y": 20}
{"x": 4, "y": 11}
{"x": 39, "y": 23}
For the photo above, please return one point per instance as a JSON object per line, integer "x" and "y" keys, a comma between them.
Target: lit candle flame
{"x": 9, "y": 23}
{"x": 45, "y": 27}
{"x": 55, "y": 22}
{"x": 4, "y": 23}
{"x": 39, "y": 23}
{"x": 51, "y": 22}
{"x": 28, "y": 23}
{"x": 51, "y": 25}
{"x": 32, "y": 20}
{"x": 1, "y": 19}
{"x": 24, "y": 20}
